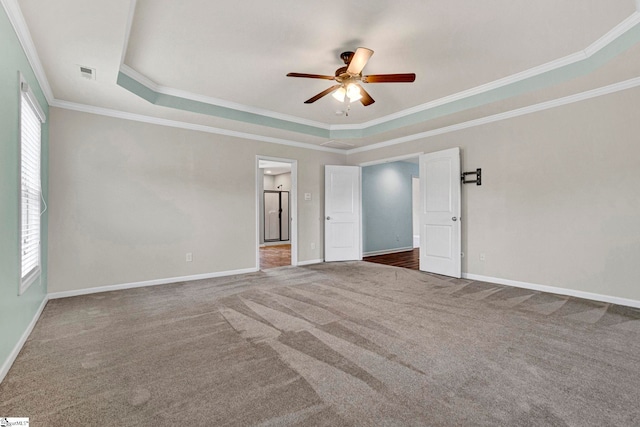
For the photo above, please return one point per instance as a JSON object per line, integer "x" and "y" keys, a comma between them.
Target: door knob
{"x": 454, "y": 219}
{"x": 328, "y": 218}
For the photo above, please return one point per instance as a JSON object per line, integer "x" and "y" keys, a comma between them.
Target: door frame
{"x": 391, "y": 159}
{"x": 293, "y": 206}
{"x": 404, "y": 157}
{"x": 379, "y": 162}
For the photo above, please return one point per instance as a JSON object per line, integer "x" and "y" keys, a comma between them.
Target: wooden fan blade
{"x": 321, "y": 94}
{"x": 311, "y": 76}
{"x": 389, "y": 78}
{"x": 359, "y": 60}
{"x": 366, "y": 98}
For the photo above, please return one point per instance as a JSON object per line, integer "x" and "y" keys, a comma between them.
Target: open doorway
{"x": 440, "y": 242}
{"x": 390, "y": 201}
{"x": 389, "y": 207}
{"x": 276, "y": 189}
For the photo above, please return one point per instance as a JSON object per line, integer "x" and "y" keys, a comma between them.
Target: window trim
{"x": 26, "y": 95}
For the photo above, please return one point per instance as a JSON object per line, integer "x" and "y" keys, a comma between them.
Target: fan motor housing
{"x": 346, "y": 56}
{"x": 342, "y": 75}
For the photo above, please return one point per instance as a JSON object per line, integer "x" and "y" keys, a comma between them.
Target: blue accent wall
{"x": 16, "y": 312}
{"x": 387, "y": 221}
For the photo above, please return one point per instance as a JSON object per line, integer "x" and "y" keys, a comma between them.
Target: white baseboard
{"x": 387, "y": 251}
{"x": 23, "y": 339}
{"x": 64, "y": 294}
{"x": 108, "y": 288}
{"x": 555, "y": 290}
{"x": 311, "y": 261}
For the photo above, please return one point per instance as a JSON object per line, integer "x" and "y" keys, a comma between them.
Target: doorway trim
{"x": 391, "y": 159}
{"x": 379, "y": 162}
{"x": 293, "y": 206}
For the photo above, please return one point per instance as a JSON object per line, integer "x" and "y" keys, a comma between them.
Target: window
{"x": 31, "y": 119}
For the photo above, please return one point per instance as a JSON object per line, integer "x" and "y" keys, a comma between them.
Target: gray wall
{"x": 283, "y": 179}
{"x": 559, "y": 202}
{"x": 387, "y": 219}
{"x": 16, "y": 312}
{"x": 130, "y": 199}
{"x": 267, "y": 181}
{"x": 558, "y": 205}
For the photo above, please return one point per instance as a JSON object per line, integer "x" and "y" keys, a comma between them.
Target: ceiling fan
{"x": 350, "y": 76}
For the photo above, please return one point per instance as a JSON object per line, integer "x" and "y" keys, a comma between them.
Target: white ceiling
{"x": 236, "y": 55}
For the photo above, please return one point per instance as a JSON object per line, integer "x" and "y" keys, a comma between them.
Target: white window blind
{"x": 31, "y": 118}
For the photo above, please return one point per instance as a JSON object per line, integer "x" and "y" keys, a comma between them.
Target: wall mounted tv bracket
{"x": 477, "y": 173}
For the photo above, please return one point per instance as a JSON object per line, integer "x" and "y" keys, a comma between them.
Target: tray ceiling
{"x": 234, "y": 57}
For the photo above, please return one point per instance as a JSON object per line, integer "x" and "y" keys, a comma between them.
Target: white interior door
{"x": 342, "y": 213}
{"x": 440, "y": 228}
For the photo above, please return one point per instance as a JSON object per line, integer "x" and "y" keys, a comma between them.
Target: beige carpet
{"x": 331, "y": 344}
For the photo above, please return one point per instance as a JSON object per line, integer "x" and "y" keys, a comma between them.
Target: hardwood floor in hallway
{"x": 407, "y": 259}
{"x": 280, "y": 256}
{"x": 275, "y": 256}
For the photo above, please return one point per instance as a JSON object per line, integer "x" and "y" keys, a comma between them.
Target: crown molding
{"x": 617, "y": 32}
{"x": 605, "y": 90}
{"x": 178, "y": 93}
{"x": 414, "y": 114}
{"x": 127, "y": 32}
{"x": 173, "y": 92}
{"x": 611, "y": 36}
{"x": 185, "y": 125}
{"x": 16, "y": 18}
{"x": 478, "y": 90}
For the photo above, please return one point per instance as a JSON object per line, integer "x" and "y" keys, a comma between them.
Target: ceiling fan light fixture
{"x": 349, "y": 77}
{"x": 339, "y": 94}
{"x": 353, "y": 92}
{"x": 355, "y": 98}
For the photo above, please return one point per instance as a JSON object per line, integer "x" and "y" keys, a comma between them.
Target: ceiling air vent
{"x": 337, "y": 144}
{"x": 88, "y": 73}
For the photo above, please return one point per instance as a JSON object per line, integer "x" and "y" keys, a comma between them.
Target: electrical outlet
{"x": 313, "y": 246}
{"x": 482, "y": 257}
{"x": 397, "y": 237}
{"x": 189, "y": 257}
